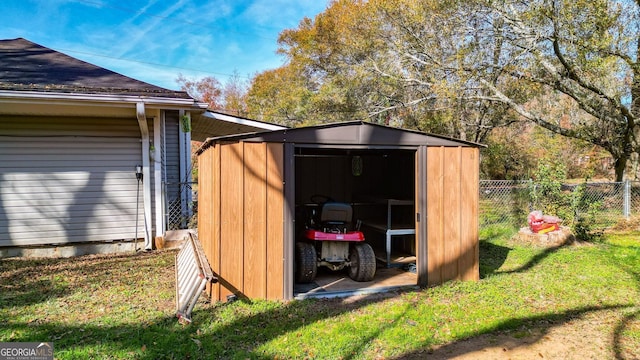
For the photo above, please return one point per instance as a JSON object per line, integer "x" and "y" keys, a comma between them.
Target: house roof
{"x": 27, "y": 66}
{"x": 215, "y": 124}
{"x": 346, "y": 134}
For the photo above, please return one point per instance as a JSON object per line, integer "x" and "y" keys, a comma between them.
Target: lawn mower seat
{"x": 335, "y": 213}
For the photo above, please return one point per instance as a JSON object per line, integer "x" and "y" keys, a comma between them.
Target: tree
{"x": 278, "y": 96}
{"x": 516, "y": 54}
{"x": 207, "y": 89}
{"x": 587, "y": 50}
{"x": 394, "y": 62}
{"x": 233, "y": 95}
{"x": 466, "y": 68}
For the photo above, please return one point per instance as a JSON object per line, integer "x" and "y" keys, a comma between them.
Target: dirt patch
{"x": 594, "y": 336}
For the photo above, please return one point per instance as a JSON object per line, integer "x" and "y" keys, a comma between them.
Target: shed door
{"x": 421, "y": 215}
{"x": 61, "y": 188}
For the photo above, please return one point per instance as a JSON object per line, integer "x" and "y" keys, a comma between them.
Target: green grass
{"x": 122, "y": 307}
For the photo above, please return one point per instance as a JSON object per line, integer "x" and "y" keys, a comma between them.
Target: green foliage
{"x": 511, "y": 154}
{"x": 185, "y": 123}
{"x": 546, "y": 191}
{"x": 585, "y": 214}
{"x": 549, "y": 195}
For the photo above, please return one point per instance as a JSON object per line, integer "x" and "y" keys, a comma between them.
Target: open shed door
{"x": 421, "y": 216}
{"x": 447, "y": 191}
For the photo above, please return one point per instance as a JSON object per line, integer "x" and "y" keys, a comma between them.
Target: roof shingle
{"x": 27, "y": 66}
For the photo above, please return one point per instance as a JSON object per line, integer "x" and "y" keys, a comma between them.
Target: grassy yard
{"x": 123, "y": 307}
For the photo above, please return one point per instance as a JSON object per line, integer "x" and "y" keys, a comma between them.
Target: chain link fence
{"x": 508, "y": 202}
{"x": 502, "y": 202}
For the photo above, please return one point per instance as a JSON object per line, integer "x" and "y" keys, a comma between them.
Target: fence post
{"x": 626, "y": 202}
{"x": 532, "y": 194}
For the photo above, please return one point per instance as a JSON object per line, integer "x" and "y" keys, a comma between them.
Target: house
{"x": 87, "y": 155}
{"x": 416, "y": 195}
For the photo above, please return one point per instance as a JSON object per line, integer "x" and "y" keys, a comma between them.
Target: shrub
{"x": 567, "y": 203}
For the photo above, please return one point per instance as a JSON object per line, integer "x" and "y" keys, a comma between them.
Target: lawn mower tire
{"x": 306, "y": 266}
{"x": 363, "y": 262}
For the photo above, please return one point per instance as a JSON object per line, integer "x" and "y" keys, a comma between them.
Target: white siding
{"x": 65, "y": 180}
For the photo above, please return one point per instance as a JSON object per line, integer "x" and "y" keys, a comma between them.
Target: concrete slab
{"x": 63, "y": 251}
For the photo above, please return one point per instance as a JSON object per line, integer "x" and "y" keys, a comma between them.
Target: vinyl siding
{"x": 172, "y": 144}
{"x": 65, "y": 180}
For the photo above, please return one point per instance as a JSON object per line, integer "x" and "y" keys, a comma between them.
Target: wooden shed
{"x": 252, "y": 186}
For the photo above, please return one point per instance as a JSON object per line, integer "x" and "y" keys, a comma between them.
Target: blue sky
{"x": 155, "y": 40}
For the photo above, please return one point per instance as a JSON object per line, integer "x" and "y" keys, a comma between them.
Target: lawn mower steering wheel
{"x": 320, "y": 199}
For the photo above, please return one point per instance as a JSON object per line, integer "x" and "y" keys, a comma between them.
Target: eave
{"x": 33, "y": 102}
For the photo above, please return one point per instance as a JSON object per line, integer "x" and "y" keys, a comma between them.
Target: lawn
{"x": 123, "y": 307}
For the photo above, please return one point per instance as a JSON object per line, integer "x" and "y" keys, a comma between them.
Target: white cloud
{"x": 283, "y": 14}
{"x": 195, "y": 38}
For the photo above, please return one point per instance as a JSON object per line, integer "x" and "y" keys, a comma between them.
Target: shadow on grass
{"x": 535, "y": 260}
{"x": 208, "y": 337}
{"x": 623, "y": 324}
{"x": 286, "y": 320}
{"x": 29, "y": 285}
{"x": 27, "y": 282}
{"x": 548, "y": 321}
{"x": 213, "y": 336}
{"x": 618, "y": 333}
{"x": 492, "y": 257}
{"x": 493, "y": 254}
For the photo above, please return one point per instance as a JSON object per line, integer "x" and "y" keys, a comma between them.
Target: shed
{"x": 252, "y": 186}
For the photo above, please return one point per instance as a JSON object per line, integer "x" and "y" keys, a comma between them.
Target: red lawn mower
{"x": 330, "y": 240}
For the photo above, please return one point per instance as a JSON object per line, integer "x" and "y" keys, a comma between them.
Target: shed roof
{"x": 352, "y": 133}
{"x": 27, "y": 66}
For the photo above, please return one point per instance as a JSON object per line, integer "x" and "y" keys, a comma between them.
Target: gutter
{"x": 122, "y": 100}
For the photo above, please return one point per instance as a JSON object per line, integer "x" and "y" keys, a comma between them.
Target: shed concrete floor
{"x": 328, "y": 281}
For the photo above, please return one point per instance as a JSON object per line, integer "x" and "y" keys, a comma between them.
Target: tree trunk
{"x": 620, "y": 165}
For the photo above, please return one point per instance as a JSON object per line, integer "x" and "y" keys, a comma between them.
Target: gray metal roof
{"x": 345, "y": 134}
{"x": 27, "y": 66}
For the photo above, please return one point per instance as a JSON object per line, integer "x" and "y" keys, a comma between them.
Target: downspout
{"x": 157, "y": 174}
{"x": 146, "y": 173}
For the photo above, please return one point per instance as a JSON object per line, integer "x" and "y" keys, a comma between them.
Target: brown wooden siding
{"x": 452, "y": 213}
{"x": 255, "y": 224}
{"x": 205, "y": 213}
{"x": 240, "y": 220}
{"x": 275, "y": 221}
